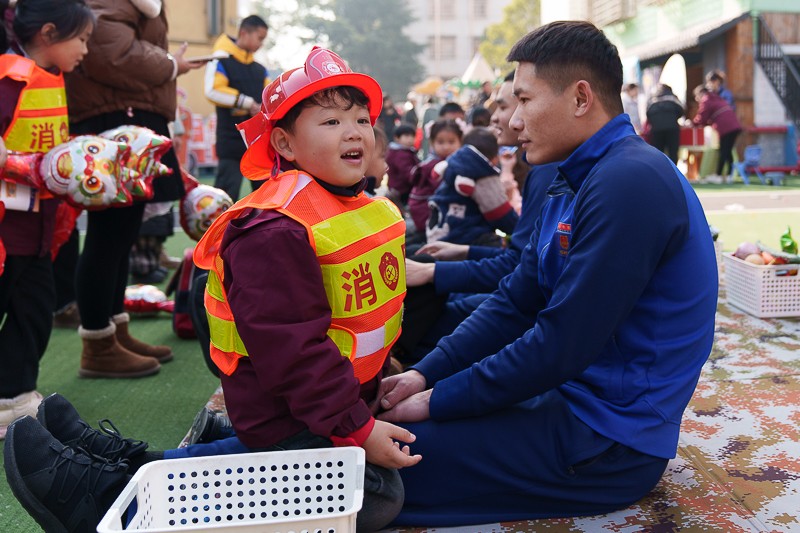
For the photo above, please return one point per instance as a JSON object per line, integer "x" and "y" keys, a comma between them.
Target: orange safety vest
{"x": 360, "y": 245}
{"x": 40, "y": 119}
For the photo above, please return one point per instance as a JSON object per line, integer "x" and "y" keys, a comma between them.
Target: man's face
{"x": 506, "y": 104}
{"x": 251, "y": 40}
{"x": 544, "y": 119}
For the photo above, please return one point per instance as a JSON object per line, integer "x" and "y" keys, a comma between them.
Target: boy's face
{"x": 331, "y": 143}
{"x": 377, "y": 162}
{"x": 251, "y": 39}
{"x": 406, "y": 140}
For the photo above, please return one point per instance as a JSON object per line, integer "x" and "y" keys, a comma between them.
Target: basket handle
{"x": 112, "y": 521}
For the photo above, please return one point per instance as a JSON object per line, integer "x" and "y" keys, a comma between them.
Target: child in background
{"x": 445, "y": 138}
{"x": 301, "y": 338}
{"x": 51, "y": 38}
{"x": 376, "y": 167}
{"x": 401, "y": 157}
{"x": 471, "y": 202}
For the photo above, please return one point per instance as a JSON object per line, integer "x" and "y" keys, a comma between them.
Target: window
{"x": 446, "y": 8}
{"x": 447, "y": 47}
{"x": 480, "y": 8}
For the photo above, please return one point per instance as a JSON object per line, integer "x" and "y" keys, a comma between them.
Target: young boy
{"x": 401, "y": 158}
{"x": 301, "y": 336}
{"x": 471, "y": 202}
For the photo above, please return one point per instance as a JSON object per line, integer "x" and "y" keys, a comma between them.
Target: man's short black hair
{"x": 404, "y": 129}
{"x": 253, "y": 22}
{"x": 484, "y": 140}
{"x": 509, "y": 76}
{"x": 567, "y": 51}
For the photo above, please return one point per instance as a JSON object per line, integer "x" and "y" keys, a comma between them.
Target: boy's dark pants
{"x": 383, "y": 488}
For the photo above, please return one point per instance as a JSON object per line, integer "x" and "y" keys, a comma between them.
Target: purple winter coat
{"x": 717, "y": 113}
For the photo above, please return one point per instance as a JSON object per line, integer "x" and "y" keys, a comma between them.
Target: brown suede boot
{"x": 103, "y": 357}
{"x": 160, "y": 352}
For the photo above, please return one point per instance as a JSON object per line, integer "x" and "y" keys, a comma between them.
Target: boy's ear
{"x": 282, "y": 143}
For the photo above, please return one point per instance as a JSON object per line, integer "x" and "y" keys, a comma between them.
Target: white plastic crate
{"x": 763, "y": 291}
{"x": 304, "y": 491}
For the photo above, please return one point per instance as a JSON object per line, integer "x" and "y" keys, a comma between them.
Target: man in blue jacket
{"x": 562, "y": 394}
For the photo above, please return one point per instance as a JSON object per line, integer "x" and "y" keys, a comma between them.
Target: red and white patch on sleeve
{"x": 465, "y": 186}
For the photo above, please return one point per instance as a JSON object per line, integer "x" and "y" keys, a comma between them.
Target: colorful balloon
{"x": 89, "y": 172}
{"x": 200, "y": 207}
{"x": 147, "y": 148}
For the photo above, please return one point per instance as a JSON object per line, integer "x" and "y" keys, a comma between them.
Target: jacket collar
{"x": 228, "y": 44}
{"x": 577, "y": 166}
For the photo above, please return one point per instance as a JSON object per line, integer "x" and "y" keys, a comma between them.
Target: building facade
{"x": 451, "y": 31}
{"x": 199, "y": 23}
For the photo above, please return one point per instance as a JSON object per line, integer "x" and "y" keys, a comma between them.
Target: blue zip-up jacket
{"x": 487, "y": 265}
{"x": 455, "y": 216}
{"x": 613, "y": 303}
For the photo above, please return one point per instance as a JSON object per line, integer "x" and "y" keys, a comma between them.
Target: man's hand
{"x": 382, "y": 448}
{"x": 397, "y": 388}
{"x": 413, "y": 409}
{"x": 445, "y": 251}
{"x": 255, "y": 107}
{"x": 419, "y": 273}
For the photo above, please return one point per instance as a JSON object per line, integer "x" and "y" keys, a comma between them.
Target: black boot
{"x": 209, "y": 426}
{"x": 62, "y": 489}
{"x": 62, "y": 420}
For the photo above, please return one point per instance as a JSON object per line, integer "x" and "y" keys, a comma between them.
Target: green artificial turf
{"x": 157, "y": 409}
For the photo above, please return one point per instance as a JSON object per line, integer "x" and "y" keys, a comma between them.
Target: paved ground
{"x": 745, "y": 200}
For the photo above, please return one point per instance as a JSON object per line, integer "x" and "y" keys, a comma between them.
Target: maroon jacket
{"x": 295, "y": 377}
{"x": 400, "y": 161}
{"x": 716, "y": 112}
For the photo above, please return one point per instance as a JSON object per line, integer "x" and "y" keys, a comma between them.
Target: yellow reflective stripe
{"x": 224, "y": 335}
{"x": 43, "y": 98}
{"x": 349, "y": 227}
{"x": 214, "y": 287}
{"x": 37, "y": 134}
{"x": 392, "y": 327}
{"x": 344, "y": 340}
{"x": 363, "y": 284}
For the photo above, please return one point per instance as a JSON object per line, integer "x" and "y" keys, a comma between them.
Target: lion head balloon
{"x": 147, "y": 148}
{"x": 88, "y": 172}
{"x": 200, "y": 207}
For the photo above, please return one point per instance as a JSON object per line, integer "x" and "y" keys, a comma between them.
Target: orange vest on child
{"x": 360, "y": 245}
{"x": 40, "y": 119}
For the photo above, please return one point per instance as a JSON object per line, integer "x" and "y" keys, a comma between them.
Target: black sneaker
{"x": 62, "y": 420}
{"x": 64, "y": 490}
{"x": 209, "y": 426}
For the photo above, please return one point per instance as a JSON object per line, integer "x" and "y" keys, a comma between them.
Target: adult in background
{"x": 234, "y": 85}
{"x": 714, "y": 111}
{"x": 630, "y": 104}
{"x": 663, "y": 111}
{"x": 562, "y": 394}
{"x": 128, "y": 77}
{"x": 715, "y": 81}
{"x": 389, "y": 118}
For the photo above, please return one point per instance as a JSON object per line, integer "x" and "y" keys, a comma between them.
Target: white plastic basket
{"x": 763, "y": 291}
{"x": 308, "y": 491}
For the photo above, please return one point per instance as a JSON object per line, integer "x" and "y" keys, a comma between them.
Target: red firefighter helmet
{"x": 323, "y": 69}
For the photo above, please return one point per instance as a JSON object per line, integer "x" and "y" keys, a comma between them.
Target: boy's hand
{"x": 395, "y": 389}
{"x": 413, "y": 409}
{"x": 445, "y": 251}
{"x": 383, "y": 450}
